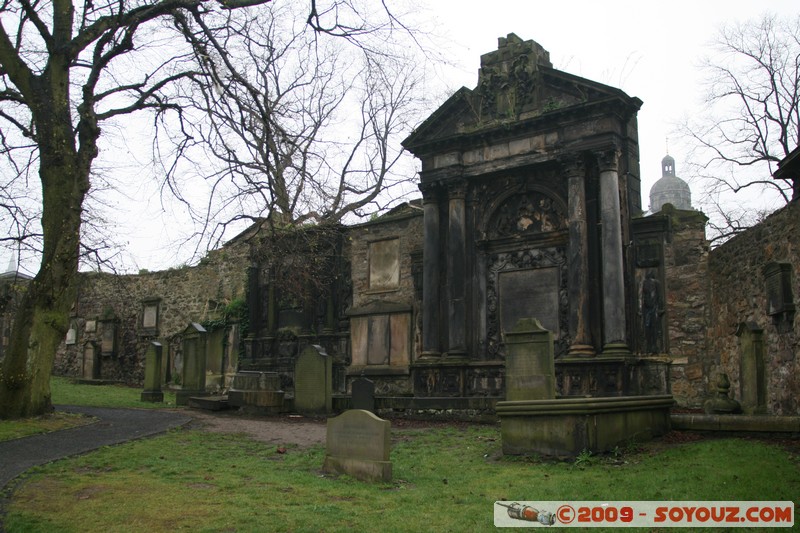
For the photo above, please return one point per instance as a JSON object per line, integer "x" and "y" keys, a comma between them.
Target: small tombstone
{"x": 72, "y": 334}
{"x": 752, "y": 380}
{"x": 193, "y": 379}
{"x": 152, "y": 374}
{"x": 363, "y": 395}
{"x": 530, "y": 363}
{"x": 358, "y": 445}
{"x": 313, "y": 381}
{"x": 91, "y": 361}
{"x": 108, "y": 338}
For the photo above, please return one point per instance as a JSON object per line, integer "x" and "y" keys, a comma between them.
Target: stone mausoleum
{"x": 529, "y": 185}
{"x": 530, "y": 208}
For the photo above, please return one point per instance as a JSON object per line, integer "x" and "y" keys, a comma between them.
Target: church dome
{"x": 670, "y": 189}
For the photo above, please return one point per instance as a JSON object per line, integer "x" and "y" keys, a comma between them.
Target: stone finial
{"x": 508, "y": 77}
{"x": 722, "y": 404}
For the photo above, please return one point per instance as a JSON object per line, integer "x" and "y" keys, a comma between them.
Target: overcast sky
{"x": 648, "y": 49}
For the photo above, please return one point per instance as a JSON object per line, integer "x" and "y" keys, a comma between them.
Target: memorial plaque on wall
{"x": 108, "y": 339}
{"x": 150, "y": 316}
{"x": 384, "y": 264}
{"x": 530, "y": 293}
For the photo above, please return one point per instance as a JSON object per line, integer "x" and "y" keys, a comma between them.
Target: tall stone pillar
{"x": 614, "y": 327}
{"x": 578, "y": 260}
{"x": 253, "y": 299}
{"x": 456, "y": 272}
{"x": 430, "y": 275}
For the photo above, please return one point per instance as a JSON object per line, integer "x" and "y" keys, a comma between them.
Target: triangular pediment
{"x": 516, "y": 85}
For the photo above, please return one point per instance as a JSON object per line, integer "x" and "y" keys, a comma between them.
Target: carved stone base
{"x": 581, "y": 350}
{"x": 616, "y": 349}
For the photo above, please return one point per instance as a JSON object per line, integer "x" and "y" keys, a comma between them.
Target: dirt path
{"x": 281, "y": 431}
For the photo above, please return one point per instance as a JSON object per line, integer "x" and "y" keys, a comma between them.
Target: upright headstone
{"x": 752, "y": 381}
{"x": 358, "y": 445}
{"x": 193, "y": 378}
{"x": 91, "y": 361}
{"x": 363, "y": 394}
{"x": 530, "y": 363}
{"x": 152, "y": 374}
{"x": 313, "y": 381}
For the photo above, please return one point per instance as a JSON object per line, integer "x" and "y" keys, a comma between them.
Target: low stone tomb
{"x": 258, "y": 392}
{"x": 358, "y": 445}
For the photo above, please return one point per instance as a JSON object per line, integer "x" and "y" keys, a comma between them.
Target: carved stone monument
{"x": 313, "y": 381}
{"x": 91, "y": 360}
{"x": 752, "y": 378}
{"x": 256, "y": 391}
{"x": 152, "y": 374}
{"x": 530, "y": 367}
{"x": 358, "y": 445}
{"x": 193, "y": 379}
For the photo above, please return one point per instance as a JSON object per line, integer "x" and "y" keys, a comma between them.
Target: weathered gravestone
{"x": 530, "y": 364}
{"x": 358, "y": 445}
{"x": 193, "y": 379}
{"x": 534, "y": 421}
{"x": 752, "y": 380}
{"x": 363, "y": 394}
{"x": 313, "y": 381}
{"x": 152, "y": 374}
{"x": 91, "y": 361}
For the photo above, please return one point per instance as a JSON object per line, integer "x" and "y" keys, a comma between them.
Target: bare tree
{"x": 65, "y": 71}
{"x": 752, "y": 111}
{"x": 304, "y": 128}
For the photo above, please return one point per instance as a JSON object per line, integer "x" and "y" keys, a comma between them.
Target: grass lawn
{"x": 65, "y": 392}
{"x": 444, "y": 479}
{"x": 14, "y": 429}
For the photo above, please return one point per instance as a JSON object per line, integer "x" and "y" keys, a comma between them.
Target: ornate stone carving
{"x": 528, "y": 213}
{"x": 508, "y": 77}
{"x": 520, "y": 260}
{"x": 607, "y": 159}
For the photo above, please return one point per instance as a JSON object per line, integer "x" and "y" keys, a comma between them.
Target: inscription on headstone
{"x": 313, "y": 381}
{"x": 358, "y": 445}
{"x": 529, "y": 292}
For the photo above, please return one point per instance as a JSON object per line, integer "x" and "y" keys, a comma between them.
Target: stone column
{"x": 614, "y": 326}
{"x": 578, "y": 260}
{"x": 253, "y": 299}
{"x": 430, "y": 275}
{"x": 456, "y": 272}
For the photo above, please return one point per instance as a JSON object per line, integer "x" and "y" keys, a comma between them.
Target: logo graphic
{"x": 527, "y": 513}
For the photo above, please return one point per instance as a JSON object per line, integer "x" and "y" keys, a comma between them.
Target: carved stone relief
{"x": 532, "y": 212}
{"x": 539, "y": 266}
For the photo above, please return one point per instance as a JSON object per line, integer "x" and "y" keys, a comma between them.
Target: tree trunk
{"x": 42, "y": 318}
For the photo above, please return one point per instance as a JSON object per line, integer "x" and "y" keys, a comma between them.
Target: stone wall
{"x": 686, "y": 277}
{"x": 385, "y": 260}
{"x": 738, "y": 303}
{"x": 110, "y": 312}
